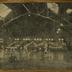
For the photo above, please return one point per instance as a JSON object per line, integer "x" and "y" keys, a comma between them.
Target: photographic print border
{"x": 27, "y": 1}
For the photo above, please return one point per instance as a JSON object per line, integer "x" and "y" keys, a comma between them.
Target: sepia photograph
{"x": 35, "y": 35}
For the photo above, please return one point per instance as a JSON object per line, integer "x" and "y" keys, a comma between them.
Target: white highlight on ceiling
{"x": 69, "y": 11}
{"x": 53, "y": 7}
{"x": 4, "y": 11}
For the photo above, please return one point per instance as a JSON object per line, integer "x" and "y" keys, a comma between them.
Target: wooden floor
{"x": 49, "y": 70}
